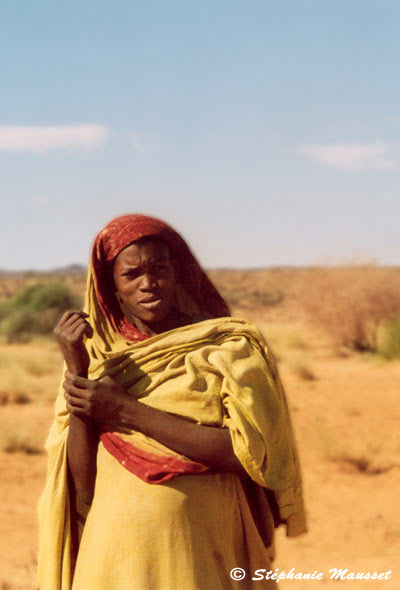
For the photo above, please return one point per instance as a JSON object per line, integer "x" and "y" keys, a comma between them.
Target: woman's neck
{"x": 175, "y": 319}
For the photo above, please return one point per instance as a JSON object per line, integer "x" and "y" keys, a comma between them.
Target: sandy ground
{"x": 346, "y": 412}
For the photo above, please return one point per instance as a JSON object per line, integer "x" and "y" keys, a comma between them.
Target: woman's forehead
{"x": 150, "y": 248}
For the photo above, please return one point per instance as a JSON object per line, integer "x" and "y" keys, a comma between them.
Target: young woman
{"x": 171, "y": 458}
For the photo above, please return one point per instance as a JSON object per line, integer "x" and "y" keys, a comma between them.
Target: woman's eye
{"x": 130, "y": 276}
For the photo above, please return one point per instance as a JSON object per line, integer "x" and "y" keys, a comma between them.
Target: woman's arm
{"x": 82, "y": 435}
{"x": 82, "y": 451}
{"x": 106, "y": 401}
{"x": 209, "y": 445}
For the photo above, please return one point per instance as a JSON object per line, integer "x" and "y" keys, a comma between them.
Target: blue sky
{"x": 266, "y": 132}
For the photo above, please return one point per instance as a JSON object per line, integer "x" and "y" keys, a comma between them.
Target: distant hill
{"x": 71, "y": 269}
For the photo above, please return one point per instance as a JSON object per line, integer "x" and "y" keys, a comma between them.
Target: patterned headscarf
{"x": 195, "y": 294}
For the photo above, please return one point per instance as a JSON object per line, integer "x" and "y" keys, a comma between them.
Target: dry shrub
{"x": 247, "y": 288}
{"x": 351, "y": 463}
{"x": 350, "y": 303}
{"x": 14, "y": 398}
{"x": 21, "y": 398}
{"x": 303, "y": 372}
{"x": 16, "y": 441}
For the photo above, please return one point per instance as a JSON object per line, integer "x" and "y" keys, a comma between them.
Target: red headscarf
{"x": 120, "y": 233}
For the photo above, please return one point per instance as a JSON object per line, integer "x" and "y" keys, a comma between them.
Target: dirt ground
{"x": 346, "y": 412}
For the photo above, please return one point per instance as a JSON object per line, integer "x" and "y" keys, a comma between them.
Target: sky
{"x": 266, "y": 132}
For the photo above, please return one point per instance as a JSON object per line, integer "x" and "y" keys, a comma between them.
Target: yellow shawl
{"x": 218, "y": 372}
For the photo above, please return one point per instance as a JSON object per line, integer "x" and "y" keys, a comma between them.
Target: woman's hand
{"x": 69, "y": 333}
{"x": 100, "y": 400}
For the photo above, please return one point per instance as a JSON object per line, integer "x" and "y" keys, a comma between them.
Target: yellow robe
{"x": 190, "y": 532}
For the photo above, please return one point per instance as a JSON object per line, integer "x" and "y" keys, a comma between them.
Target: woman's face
{"x": 144, "y": 278}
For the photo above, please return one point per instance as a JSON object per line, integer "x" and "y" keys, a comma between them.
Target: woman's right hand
{"x": 69, "y": 333}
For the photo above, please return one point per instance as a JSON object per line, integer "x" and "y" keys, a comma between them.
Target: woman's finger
{"x": 81, "y": 326}
{"x": 76, "y": 411}
{"x": 81, "y": 382}
{"x": 70, "y": 315}
{"x": 75, "y": 402}
{"x": 79, "y": 329}
{"x": 74, "y": 323}
{"x": 75, "y": 391}
{"x": 70, "y": 320}
{"x": 68, "y": 327}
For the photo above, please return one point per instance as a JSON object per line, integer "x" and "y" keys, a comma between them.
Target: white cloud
{"x": 43, "y": 139}
{"x": 354, "y": 157}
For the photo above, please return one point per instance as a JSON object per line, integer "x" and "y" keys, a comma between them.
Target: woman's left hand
{"x": 100, "y": 400}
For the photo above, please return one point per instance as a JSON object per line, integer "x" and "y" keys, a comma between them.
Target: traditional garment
{"x": 158, "y": 520}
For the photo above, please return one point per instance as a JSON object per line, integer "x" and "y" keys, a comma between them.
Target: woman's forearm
{"x": 82, "y": 448}
{"x": 82, "y": 451}
{"x": 209, "y": 445}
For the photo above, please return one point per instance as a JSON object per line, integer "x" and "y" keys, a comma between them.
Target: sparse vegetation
{"x": 15, "y": 441}
{"x": 35, "y": 309}
{"x": 29, "y": 370}
{"x": 303, "y": 372}
{"x": 235, "y": 287}
{"x": 389, "y": 345}
{"x": 282, "y": 336}
{"x": 350, "y": 304}
{"x": 14, "y": 398}
{"x": 252, "y": 297}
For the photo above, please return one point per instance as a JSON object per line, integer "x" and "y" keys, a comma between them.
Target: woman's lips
{"x": 150, "y": 304}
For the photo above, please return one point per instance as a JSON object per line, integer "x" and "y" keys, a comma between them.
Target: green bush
{"x": 35, "y": 310}
{"x": 15, "y": 325}
{"x": 41, "y": 296}
{"x": 390, "y": 342}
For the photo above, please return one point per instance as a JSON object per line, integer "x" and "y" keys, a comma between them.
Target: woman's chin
{"x": 152, "y": 319}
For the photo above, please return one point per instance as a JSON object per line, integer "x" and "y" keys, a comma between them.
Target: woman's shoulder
{"x": 226, "y": 328}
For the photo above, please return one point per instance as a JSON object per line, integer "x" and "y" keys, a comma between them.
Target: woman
{"x": 171, "y": 457}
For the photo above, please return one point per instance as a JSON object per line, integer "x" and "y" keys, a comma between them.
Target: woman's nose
{"x": 147, "y": 282}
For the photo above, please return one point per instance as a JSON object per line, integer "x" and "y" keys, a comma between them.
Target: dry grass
{"x": 16, "y": 441}
{"x": 350, "y": 303}
{"x": 29, "y": 371}
{"x": 24, "y": 429}
{"x": 283, "y": 337}
{"x": 246, "y": 289}
{"x": 356, "y": 454}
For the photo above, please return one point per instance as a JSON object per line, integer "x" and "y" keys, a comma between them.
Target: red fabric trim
{"x": 150, "y": 467}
